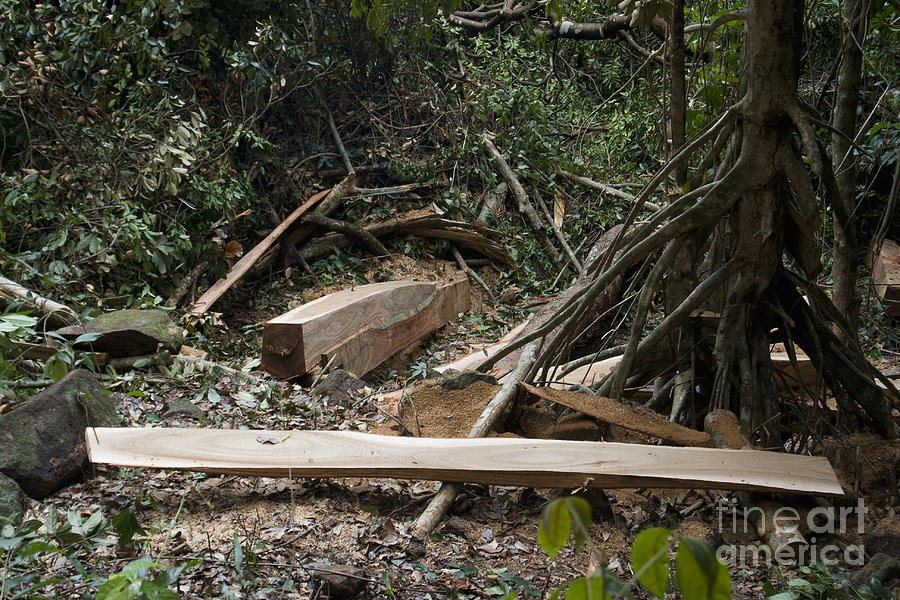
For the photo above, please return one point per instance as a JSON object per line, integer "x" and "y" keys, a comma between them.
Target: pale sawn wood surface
{"x": 295, "y": 341}
{"x": 499, "y": 461}
{"x": 383, "y": 338}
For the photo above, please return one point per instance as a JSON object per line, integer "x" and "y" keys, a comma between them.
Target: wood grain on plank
{"x": 381, "y": 339}
{"x": 500, "y": 461}
{"x": 295, "y": 341}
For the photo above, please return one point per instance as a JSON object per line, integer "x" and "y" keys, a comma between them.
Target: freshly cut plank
{"x": 294, "y": 342}
{"x": 624, "y": 415}
{"x": 362, "y": 326}
{"x": 380, "y": 340}
{"x": 500, "y": 461}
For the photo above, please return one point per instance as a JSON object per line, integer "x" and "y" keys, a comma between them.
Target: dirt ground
{"x": 261, "y": 538}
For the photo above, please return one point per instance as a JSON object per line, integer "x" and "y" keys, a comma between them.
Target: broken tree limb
{"x": 558, "y": 233}
{"x": 186, "y": 283}
{"x": 606, "y": 189}
{"x": 334, "y": 131}
{"x": 55, "y": 313}
{"x": 399, "y": 189}
{"x": 338, "y": 226}
{"x": 493, "y": 200}
{"x": 442, "y": 501}
{"x": 243, "y": 265}
{"x": 634, "y": 418}
{"x": 522, "y": 199}
{"x": 471, "y": 273}
{"x": 484, "y": 241}
{"x": 492, "y": 461}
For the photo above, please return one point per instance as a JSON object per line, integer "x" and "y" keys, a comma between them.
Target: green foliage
{"x": 819, "y": 582}
{"x": 698, "y": 574}
{"x": 134, "y": 582}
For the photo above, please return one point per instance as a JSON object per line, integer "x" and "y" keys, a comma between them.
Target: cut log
{"x": 621, "y": 414}
{"x": 42, "y": 441}
{"x": 242, "y": 266}
{"x": 886, "y": 277}
{"x": 128, "y": 333}
{"x": 57, "y": 314}
{"x": 493, "y": 461}
{"x": 351, "y": 321}
{"x": 382, "y": 339}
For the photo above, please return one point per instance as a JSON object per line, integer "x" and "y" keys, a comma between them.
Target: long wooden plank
{"x": 294, "y": 342}
{"x": 499, "y": 461}
{"x": 243, "y": 265}
{"x": 624, "y": 415}
{"x": 380, "y": 340}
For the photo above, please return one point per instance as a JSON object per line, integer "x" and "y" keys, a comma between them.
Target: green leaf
{"x": 602, "y": 585}
{"x": 580, "y": 513}
{"x": 126, "y": 525}
{"x": 650, "y": 560}
{"x": 555, "y": 527}
{"x": 699, "y": 575}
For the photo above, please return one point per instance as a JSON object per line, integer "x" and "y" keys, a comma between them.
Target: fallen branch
{"x": 441, "y": 502}
{"x": 56, "y": 314}
{"x": 185, "y": 285}
{"x": 606, "y": 189}
{"x": 559, "y": 236}
{"x": 480, "y": 239}
{"x": 471, "y": 273}
{"x": 242, "y": 266}
{"x": 354, "y": 231}
{"x": 398, "y": 189}
{"x": 522, "y": 199}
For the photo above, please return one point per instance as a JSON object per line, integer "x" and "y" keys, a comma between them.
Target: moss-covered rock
{"x": 128, "y": 333}
{"x": 42, "y": 441}
{"x": 12, "y": 499}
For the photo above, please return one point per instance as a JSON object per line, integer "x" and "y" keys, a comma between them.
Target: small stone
{"x": 337, "y": 385}
{"x": 885, "y": 538}
{"x": 881, "y": 567}
{"x": 182, "y": 407}
{"x": 341, "y": 581}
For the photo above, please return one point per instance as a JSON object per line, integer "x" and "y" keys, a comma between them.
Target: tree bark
{"x": 854, "y": 22}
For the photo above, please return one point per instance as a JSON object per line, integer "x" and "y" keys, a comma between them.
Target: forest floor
{"x": 261, "y": 538}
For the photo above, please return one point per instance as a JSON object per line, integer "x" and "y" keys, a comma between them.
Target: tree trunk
{"x": 854, "y": 22}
